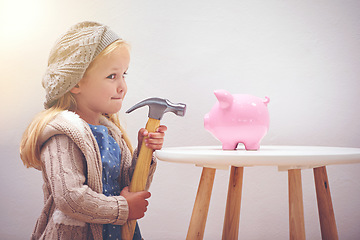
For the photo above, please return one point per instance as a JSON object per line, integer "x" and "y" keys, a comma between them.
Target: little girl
{"x": 84, "y": 154}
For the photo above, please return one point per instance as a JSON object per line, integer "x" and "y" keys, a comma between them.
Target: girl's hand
{"x": 137, "y": 203}
{"x": 154, "y": 140}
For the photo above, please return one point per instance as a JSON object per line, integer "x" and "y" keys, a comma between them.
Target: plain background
{"x": 304, "y": 55}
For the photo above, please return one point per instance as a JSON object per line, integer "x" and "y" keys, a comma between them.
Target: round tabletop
{"x": 284, "y": 157}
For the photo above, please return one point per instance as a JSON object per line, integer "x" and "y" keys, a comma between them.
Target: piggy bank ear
{"x": 224, "y": 97}
{"x": 266, "y": 100}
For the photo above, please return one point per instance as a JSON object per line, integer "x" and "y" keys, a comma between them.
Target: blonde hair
{"x": 29, "y": 146}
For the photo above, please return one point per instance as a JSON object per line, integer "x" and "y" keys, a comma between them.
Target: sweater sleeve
{"x": 65, "y": 167}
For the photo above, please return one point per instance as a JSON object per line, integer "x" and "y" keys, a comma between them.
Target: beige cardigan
{"x": 74, "y": 206}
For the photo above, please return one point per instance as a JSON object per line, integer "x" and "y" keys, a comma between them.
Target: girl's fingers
{"x": 154, "y": 141}
{"x": 161, "y": 128}
{"x": 154, "y": 146}
{"x": 157, "y": 135}
{"x": 143, "y": 132}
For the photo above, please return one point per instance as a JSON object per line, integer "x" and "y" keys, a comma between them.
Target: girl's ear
{"x": 76, "y": 89}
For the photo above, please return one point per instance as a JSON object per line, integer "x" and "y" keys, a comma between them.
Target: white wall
{"x": 305, "y": 55}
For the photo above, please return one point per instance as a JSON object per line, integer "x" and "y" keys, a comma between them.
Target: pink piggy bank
{"x": 238, "y": 118}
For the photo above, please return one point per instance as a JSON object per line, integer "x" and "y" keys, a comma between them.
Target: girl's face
{"x": 103, "y": 87}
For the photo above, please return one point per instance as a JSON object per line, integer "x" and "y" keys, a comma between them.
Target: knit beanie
{"x": 71, "y": 56}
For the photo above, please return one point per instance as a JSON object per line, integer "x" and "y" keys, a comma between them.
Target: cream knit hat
{"x": 71, "y": 55}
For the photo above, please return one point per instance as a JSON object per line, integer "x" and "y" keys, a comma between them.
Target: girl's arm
{"x": 65, "y": 168}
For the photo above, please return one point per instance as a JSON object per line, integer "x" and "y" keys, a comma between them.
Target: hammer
{"x": 157, "y": 108}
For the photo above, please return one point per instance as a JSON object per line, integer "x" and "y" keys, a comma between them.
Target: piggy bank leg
{"x": 252, "y": 146}
{"x": 229, "y": 145}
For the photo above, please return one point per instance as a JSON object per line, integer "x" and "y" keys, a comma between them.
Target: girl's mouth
{"x": 116, "y": 98}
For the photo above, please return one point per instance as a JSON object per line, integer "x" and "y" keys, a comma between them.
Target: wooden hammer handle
{"x": 140, "y": 176}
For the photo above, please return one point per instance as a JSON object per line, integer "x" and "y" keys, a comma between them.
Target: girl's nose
{"x": 119, "y": 89}
{"x": 121, "y": 85}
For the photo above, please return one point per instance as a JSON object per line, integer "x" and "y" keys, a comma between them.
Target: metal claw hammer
{"x": 157, "y": 108}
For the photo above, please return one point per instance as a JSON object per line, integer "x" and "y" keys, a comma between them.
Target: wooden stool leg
{"x": 201, "y": 205}
{"x": 296, "y": 207}
{"x": 326, "y": 212}
{"x": 233, "y": 204}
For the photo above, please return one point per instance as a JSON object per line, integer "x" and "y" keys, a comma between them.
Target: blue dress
{"x": 110, "y": 157}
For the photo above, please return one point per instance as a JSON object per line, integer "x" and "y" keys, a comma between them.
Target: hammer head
{"x": 159, "y": 106}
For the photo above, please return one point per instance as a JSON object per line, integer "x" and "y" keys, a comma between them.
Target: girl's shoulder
{"x": 70, "y": 118}
{"x": 68, "y": 123}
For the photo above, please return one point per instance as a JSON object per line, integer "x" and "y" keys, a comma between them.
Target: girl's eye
{"x": 125, "y": 74}
{"x": 111, "y": 76}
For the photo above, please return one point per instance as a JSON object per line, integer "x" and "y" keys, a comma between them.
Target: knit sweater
{"x": 74, "y": 206}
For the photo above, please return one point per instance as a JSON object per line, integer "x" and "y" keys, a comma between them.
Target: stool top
{"x": 284, "y": 157}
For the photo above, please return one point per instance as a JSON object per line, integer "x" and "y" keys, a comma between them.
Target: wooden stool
{"x": 232, "y": 212}
{"x": 282, "y": 156}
